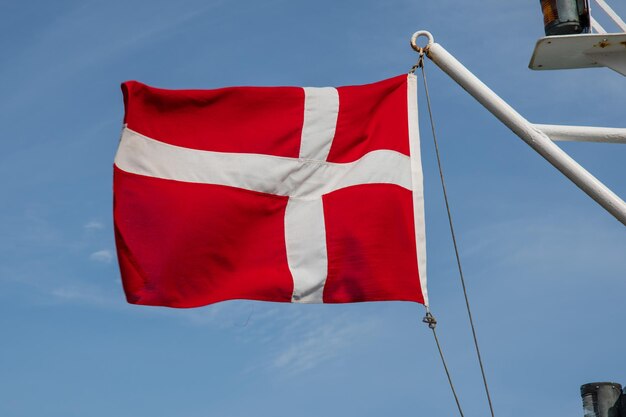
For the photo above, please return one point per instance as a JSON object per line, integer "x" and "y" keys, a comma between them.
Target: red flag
{"x": 270, "y": 193}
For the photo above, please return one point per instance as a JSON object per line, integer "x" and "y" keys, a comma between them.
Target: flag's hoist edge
{"x": 417, "y": 180}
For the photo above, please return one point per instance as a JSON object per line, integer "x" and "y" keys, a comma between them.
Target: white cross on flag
{"x": 287, "y": 194}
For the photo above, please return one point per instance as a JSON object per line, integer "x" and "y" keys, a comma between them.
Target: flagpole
{"x": 528, "y": 132}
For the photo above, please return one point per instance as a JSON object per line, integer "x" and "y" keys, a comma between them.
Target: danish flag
{"x": 289, "y": 194}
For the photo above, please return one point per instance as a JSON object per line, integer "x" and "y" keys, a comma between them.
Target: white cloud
{"x": 320, "y": 344}
{"x": 69, "y": 293}
{"x": 540, "y": 243}
{"x": 93, "y": 226}
{"x": 104, "y": 256}
{"x": 89, "y": 295}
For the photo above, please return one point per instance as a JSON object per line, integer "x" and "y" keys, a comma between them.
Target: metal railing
{"x": 611, "y": 14}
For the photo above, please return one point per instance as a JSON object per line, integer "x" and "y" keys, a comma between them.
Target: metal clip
{"x": 430, "y": 320}
{"x": 419, "y": 49}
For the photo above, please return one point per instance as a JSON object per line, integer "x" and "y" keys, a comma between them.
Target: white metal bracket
{"x": 580, "y": 51}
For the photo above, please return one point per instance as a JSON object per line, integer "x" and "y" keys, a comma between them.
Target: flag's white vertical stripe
{"x": 305, "y": 231}
{"x": 305, "y": 239}
{"x": 417, "y": 181}
{"x": 321, "y": 106}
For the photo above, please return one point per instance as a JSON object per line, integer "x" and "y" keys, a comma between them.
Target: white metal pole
{"x": 597, "y": 26}
{"x": 614, "y": 16}
{"x": 537, "y": 140}
{"x": 584, "y": 133}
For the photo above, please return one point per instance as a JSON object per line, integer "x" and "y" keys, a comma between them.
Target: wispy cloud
{"x": 320, "y": 344}
{"x": 104, "y": 256}
{"x": 82, "y": 294}
{"x": 225, "y": 315}
{"x": 294, "y": 338}
{"x": 93, "y": 226}
{"x": 531, "y": 242}
{"x": 95, "y": 47}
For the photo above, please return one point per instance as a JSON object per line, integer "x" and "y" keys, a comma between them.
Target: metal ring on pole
{"x": 425, "y": 34}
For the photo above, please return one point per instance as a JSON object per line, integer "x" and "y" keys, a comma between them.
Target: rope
{"x": 456, "y": 250}
{"x": 432, "y": 323}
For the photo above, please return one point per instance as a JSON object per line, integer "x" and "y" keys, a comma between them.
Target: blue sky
{"x": 545, "y": 265}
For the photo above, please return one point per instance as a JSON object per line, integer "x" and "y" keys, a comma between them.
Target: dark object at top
{"x": 565, "y": 17}
{"x": 602, "y": 399}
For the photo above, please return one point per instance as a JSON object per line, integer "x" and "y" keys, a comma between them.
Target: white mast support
{"x": 536, "y": 139}
{"x": 611, "y": 13}
{"x": 584, "y": 133}
{"x": 597, "y": 26}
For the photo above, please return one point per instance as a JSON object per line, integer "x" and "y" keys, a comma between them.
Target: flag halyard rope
{"x": 430, "y": 320}
{"x": 420, "y": 64}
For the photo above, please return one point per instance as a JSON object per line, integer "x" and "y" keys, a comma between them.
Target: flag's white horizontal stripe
{"x": 305, "y": 240}
{"x": 301, "y": 178}
{"x": 321, "y": 107}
